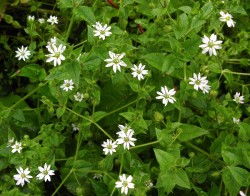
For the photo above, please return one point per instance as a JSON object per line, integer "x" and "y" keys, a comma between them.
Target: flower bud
{"x": 158, "y": 117}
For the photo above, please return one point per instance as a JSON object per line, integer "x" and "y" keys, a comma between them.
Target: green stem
{"x": 90, "y": 120}
{"x": 197, "y": 148}
{"x": 185, "y": 71}
{"x": 236, "y": 73}
{"x": 144, "y": 145}
{"x": 120, "y": 170}
{"x": 57, "y": 189}
{"x": 28, "y": 95}
{"x": 116, "y": 110}
{"x": 70, "y": 26}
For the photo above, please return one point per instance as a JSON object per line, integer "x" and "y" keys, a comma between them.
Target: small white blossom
{"x": 200, "y": 82}
{"x": 17, "y": 147}
{"x": 75, "y": 127}
{"x": 109, "y": 146}
{"x": 236, "y": 120}
{"x": 125, "y": 183}
{"x": 242, "y": 193}
{"x": 22, "y": 53}
{"x": 67, "y": 85}
{"x": 56, "y": 54}
{"x": 102, "y": 31}
{"x": 238, "y": 98}
{"x": 41, "y": 20}
{"x": 166, "y": 95}
{"x": 53, "y": 20}
{"x": 31, "y": 18}
{"x": 22, "y": 176}
{"x": 124, "y": 130}
{"x": 228, "y": 18}
{"x": 10, "y": 142}
{"x": 45, "y": 173}
{"x": 149, "y": 184}
{"x": 78, "y": 96}
{"x": 51, "y": 42}
{"x": 115, "y": 61}
{"x": 210, "y": 44}
{"x": 126, "y": 139}
{"x": 139, "y": 72}
{"x": 97, "y": 176}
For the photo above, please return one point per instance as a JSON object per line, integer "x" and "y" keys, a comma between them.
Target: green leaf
{"x": 189, "y": 132}
{"x": 73, "y": 71}
{"x": 181, "y": 178}
{"x": 85, "y": 13}
{"x": 165, "y": 159}
{"x": 99, "y": 115}
{"x": 155, "y": 60}
{"x": 33, "y": 71}
{"x": 169, "y": 63}
{"x": 206, "y": 10}
{"x": 234, "y": 178}
{"x": 60, "y": 111}
{"x": 231, "y": 155}
{"x": 244, "y": 132}
{"x": 181, "y": 27}
{"x": 18, "y": 115}
{"x": 100, "y": 188}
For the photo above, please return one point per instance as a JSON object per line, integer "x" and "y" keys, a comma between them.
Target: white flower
{"x": 41, "y": 20}
{"x": 166, "y": 95}
{"x": 97, "y": 176}
{"x": 51, "y": 42}
{"x": 10, "y": 142}
{"x": 31, "y": 18}
{"x": 102, "y": 31}
{"x": 53, "y": 20}
{"x": 242, "y": 193}
{"x": 199, "y": 82}
{"x": 124, "y": 130}
{"x": 226, "y": 17}
{"x": 67, "y": 85}
{"x": 238, "y": 98}
{"x": 139, "y": 71}
{"x": 109, "y": 146}
{"x": 75, "y": 127}
{"x": 78, "y": 96}
{"x": 126, "y": 139}
{"x": 17, "y": 147}
{"x": 45, "y": 173}
{"x": 22, "y": 53}
{"x": 125, "y": 183}
{"x": 56, "y": 54}
{"x": 236, "y": 120}
{"x": 115, "y": 61}
{"x": 22, "y": 176}
{"x": 149, "y": 184}
{"x": 210, "y": 44}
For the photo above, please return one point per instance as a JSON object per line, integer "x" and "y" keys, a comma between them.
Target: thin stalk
{"x": 116, "y": 110}
{"x": 70, "y": 27}
{"x": 90, "y": 120}
{"x": 236, "y": 73}
{"x": 28, "y": 95}
{"x": 144, "y": 145}
{"x": 57, "y": 189}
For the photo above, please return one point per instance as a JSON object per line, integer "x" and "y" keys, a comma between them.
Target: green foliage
{"x": 193, "y": 146}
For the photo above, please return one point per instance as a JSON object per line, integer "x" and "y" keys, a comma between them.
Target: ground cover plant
{"x": 124, "y": 97}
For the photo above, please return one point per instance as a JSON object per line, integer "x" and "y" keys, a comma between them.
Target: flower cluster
{"x": 23, "y": 174}
{"x": 125, "y": 137}
{"x": 51, "y": 20}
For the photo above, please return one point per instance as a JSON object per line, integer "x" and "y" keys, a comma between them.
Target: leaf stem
{"x": 144, "y": 145}
{"x": 70, "y": 26}
{"x": 28, "y": 95}
{"x": 236, "y": 73}
{"x": 60, "y": 185}
{"x": 116, "y": 110}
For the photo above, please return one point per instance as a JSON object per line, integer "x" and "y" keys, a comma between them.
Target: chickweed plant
{"x": 124, "y": 97}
